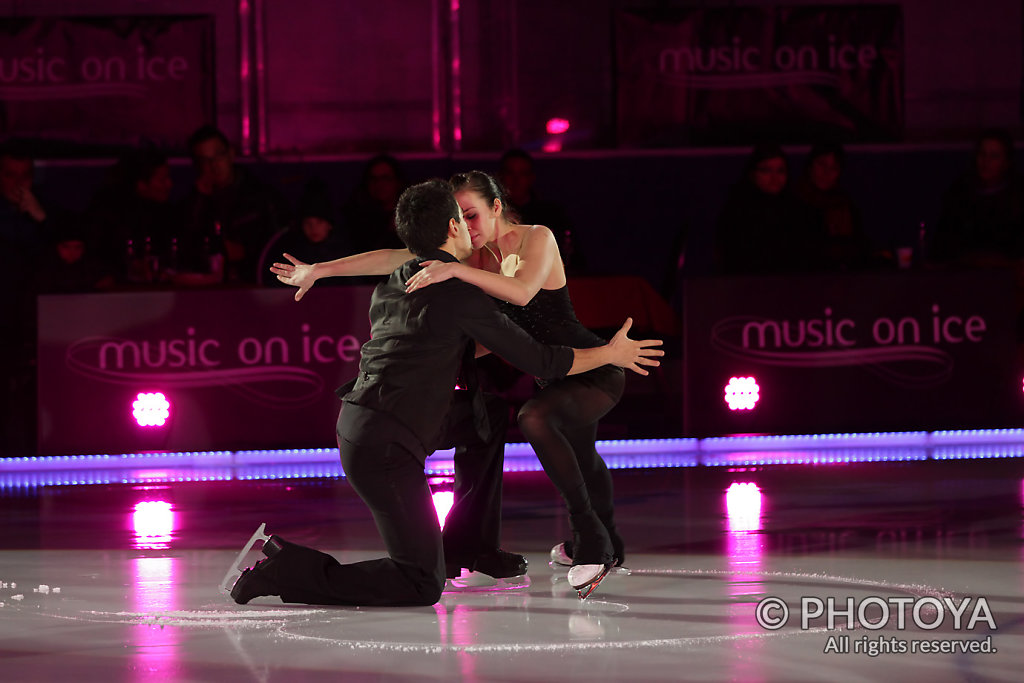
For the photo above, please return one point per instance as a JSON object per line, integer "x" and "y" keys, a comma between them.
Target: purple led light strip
{"x": 816, "y": 449}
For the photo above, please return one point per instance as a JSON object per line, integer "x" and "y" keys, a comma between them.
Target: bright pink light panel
{"x": 557, "y": 126}
{"x": 742, "y": 393}
{"x": 151, "y": 409}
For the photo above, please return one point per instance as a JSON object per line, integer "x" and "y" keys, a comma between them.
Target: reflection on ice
{"x": 154, "y": 589}
{"x": 745, "y": 549}
{"x": 153, "y": 522}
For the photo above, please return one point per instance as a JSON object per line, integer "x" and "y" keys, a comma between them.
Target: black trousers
{"x": 389, "y": 477}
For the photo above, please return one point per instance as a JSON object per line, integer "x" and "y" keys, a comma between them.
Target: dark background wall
{"x": 346, "y": 78}
{"x": 349, "y": 76}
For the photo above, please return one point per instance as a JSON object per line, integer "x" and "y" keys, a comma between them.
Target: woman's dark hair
{"x": 487, "y": 187}
{"x": 423, "y": 214}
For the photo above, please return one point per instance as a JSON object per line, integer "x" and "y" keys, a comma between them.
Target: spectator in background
{"x": 369, "y": 213}
{"x": 229, "y": 212}
{"x": 313, "y": 238}
{"x": 982, "y": 217}
{"x": 68, "y": 266}
{"x": 517, "y": 175}
{"x": 24, "y": 235}
{"x": 844, "y": 245}
{"x": 763, "y": 227}
{"x": 133, "y": 223}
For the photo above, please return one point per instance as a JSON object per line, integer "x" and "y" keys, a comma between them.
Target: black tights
{"x": 560, "y": 422}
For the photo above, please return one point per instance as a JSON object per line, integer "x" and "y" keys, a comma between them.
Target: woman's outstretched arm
{"x": 304, "y": 275}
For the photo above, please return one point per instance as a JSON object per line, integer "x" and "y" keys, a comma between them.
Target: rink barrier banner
{"x": 850, "y": 353}
{"x": 736, "y": 75}
{"x": 106, "y": 81}
{"x": 245, "y": 368}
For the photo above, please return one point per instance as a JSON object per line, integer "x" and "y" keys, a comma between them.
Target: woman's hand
{"x": 296, "y": 274}
{"x": 433, "y": 271}
{"x": 632, "y": 353}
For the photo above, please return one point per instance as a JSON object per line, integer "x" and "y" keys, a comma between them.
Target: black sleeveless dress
{"x": 550, "y": 319}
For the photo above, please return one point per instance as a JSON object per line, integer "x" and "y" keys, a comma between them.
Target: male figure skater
{"x": 395, "y": 415}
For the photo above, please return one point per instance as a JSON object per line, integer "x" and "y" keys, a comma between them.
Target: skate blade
{"x": 236, "y": 568}
{"x": 585, "y": 590}
{"x": 615, "y": 571}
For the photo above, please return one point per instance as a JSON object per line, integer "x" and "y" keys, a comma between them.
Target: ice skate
{"x": 560, "y": 555}
{"x": 585, "y": 578}
{"x": 498, "y": 564}
{"x": 237, "y": 566}
{"x": 253, "y": 583}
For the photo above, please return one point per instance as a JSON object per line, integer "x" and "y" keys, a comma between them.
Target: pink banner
{"x": 238, "y": 368}
{"x": 851, "y": 353}
{"x": 742, "y": 74}
{"x": 106, "y": 81}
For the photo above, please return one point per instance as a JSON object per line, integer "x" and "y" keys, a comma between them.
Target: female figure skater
{"x": 521, "y": 265}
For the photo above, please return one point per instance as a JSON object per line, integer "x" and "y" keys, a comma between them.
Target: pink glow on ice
{"x": 743, "y": 506}
{"x": 153, "y": 522}
{"x": 151, "y": 409}
{"x": 557, "y": 126}
{"x": 745, "y": 551}
{"x": 154, "y": 652}
{"x": 552, "y": 146}
{"x": 443, "y": 501}
{"x": 742, "y": 393}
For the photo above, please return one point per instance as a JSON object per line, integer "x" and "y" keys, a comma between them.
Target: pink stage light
{"x": 153, "y": 522}
{"x": 742, "y": 393}
{"x": 743, "y": 506}
{"x": 443, "y": 501}
{"x": 557, "y": 126}
{"x": 151, "y": 409}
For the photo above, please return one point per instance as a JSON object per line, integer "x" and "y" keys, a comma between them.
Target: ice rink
{"x": 858, "y": 571}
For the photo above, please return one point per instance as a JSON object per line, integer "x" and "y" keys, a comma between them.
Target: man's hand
{"x": 431, "y": 272}
{"x": 296, "y": 274}
{"x": 632, "y": 353}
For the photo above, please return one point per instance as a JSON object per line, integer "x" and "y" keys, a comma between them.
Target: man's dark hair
{"x": 423, "y": 214}
{"x": 204, "y": 133}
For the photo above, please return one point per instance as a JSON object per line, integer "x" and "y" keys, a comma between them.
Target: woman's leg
{"x": 598, "y": 481}
{"x": 557, "y": 413}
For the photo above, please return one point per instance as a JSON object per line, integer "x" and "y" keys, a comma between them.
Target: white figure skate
{"x": 585, "y": 578}
{"x": 237, "y": 567}
{"x": 559, "y": 558}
